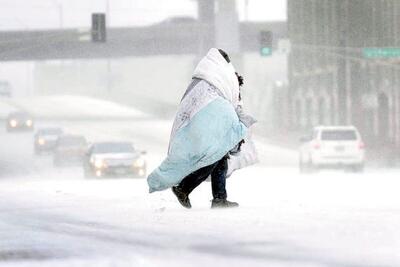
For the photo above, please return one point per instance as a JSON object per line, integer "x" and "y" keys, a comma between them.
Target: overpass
{"x": 213, "y": 28}
{"x": 159, "y": 39}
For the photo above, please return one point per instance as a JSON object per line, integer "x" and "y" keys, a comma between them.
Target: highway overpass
{"x": 160, "y": 39}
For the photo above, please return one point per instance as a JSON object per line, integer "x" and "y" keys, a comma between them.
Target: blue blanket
{"x": 209, "y": 136}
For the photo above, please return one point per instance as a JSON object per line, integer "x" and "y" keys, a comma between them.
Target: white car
{"x": 114, "y": 159}
{"x": 331, "y": 147}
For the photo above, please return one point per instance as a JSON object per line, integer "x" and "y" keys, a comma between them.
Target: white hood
{"x": 214, "y": 69}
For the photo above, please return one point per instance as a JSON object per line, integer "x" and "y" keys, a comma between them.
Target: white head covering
{"x": 216, "y": 70}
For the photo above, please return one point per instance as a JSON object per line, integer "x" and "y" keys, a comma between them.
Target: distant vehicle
{"x": 177, "y": 21}
{"x": 114, "y": 159}
{"x": 45, "y": 139}
{"x": 19, "y": 121}
{"x": 69, "y": 150}
{"x": 180, "y": 20}
{"x": 332, "y": 147}
{"x": 5, "y": 89}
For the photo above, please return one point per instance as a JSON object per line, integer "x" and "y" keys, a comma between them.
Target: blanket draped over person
{"x": 206, "y": 125}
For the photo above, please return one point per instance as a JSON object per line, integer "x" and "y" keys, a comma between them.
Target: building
{"x": 332, "y": 79}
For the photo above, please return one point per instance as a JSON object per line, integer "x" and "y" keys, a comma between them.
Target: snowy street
{"x": 267, "y": 131}
{"x": 56, "y": 217}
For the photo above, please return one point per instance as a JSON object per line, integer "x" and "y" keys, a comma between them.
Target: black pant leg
{"x": 218, "y": 179}
{"x": 190, "y": 182}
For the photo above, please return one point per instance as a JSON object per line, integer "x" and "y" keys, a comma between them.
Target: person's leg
{"x": 218, "y": 179}
{"x": 218, "y": 182}
{"x": 190, "y": 182}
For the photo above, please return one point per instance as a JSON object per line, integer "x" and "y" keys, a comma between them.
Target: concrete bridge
{"x": 213, "y": 27}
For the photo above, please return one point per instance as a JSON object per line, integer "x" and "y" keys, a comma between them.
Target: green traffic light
{"x": 266, "y": 51}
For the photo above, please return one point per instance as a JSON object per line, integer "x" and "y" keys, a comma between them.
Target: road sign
{"x": 381, "y": 52}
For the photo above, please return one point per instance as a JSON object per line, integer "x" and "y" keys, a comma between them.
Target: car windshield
{"x": 113, "y": 148}
{"x": 50, "y": 131}
{"x": 72, "y": 141}
{"x": 338, "y": 135}
{"x": 20, "y": 116}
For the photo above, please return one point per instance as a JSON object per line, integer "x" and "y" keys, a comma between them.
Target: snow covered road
{"x": 55, "y": 217}
{"x": 326, "y": 220}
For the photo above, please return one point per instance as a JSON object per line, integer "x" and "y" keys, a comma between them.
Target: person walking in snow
{"x": 208, "y": 127}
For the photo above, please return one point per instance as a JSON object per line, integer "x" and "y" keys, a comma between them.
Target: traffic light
{"x": 265, "y": 43}
{"x": 99, "y": 27}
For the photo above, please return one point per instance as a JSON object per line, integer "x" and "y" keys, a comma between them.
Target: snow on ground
{"x": 285, "y": 219}
{"x": 55, "y": 217}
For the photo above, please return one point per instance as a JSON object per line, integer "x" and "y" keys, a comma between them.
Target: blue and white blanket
{"x": 206, "y": 126}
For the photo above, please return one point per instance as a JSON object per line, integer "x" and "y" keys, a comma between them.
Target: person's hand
{"x": 240, "y": 144}
{"x": 240, "y": 79}
{"x": 236, "y": 149}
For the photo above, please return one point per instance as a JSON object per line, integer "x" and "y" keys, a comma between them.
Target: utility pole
{"x": 109, "y": 85}
{"x": 206, "y": 14}
{"x": 227, "y": 34}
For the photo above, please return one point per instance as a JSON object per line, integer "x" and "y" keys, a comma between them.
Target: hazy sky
{"x": 29, "y": 14}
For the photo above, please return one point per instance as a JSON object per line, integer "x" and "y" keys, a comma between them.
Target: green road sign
{"x": 381, "y": 52}
{"x": 266, "y": 51}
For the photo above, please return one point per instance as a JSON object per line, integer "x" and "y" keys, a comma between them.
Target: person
{"x": 208, "y": 127}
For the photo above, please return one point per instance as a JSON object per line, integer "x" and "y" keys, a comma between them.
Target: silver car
{"x": 114, "y": 159}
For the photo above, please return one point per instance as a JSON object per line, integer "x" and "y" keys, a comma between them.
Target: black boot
{"x": 223, "y": 203}
{"x": 183, "y": 198}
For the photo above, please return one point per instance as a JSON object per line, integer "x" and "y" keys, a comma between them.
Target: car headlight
{"x": 41, "y": 141}
{"x": 99, "y": 163}
{"x": 29, "y": 123}
{"x": 139, "y": 163}
{"x": 13, "y": 123}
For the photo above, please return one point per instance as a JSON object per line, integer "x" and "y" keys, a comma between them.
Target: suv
{"x": 332, "y": 146}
